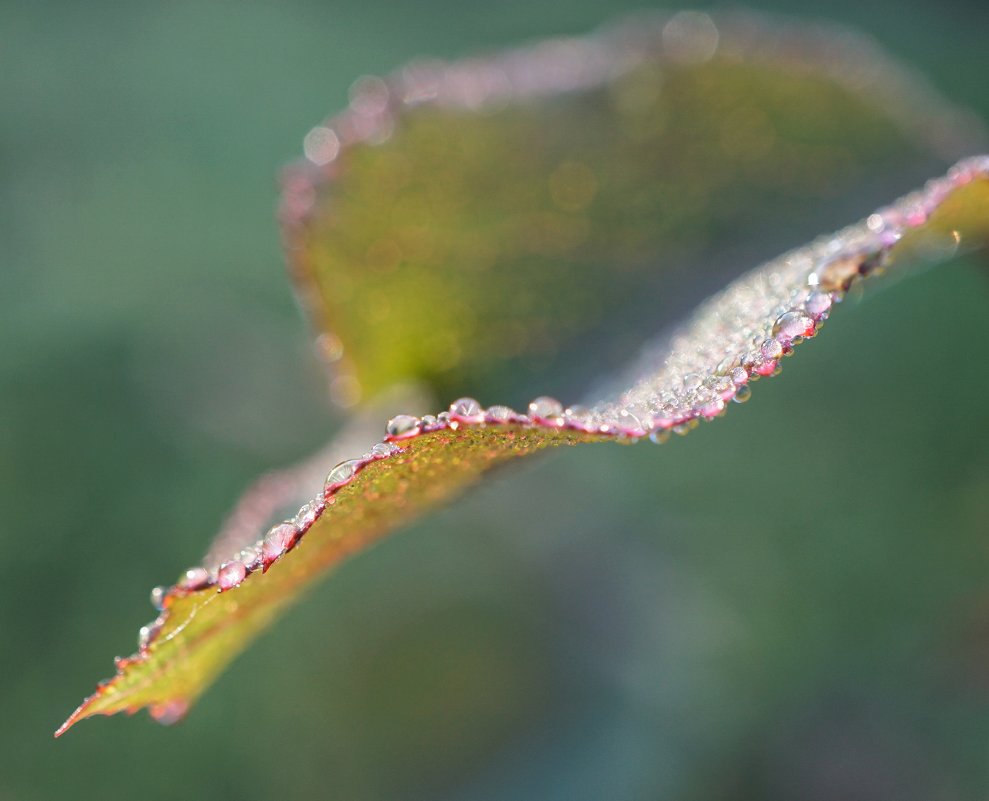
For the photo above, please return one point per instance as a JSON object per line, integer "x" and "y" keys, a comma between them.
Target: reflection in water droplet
{"x": 739, "y": 376}
{"x": 742, "y": 394}
{"x": 194, "y": 578}
{"x": 467, "y": 408}
{"x": 818, "y": 303}
{"x": 499, "y": 414}
{"x": 342, "y": 473}
{"x": 771, "y": 349}
{"x": 230, "y": 575}
{"x": 307, "y": 515}
{"x": 278, "y": 540}
{"x": 793, "y": 326}
{"x": 402, "y": 425}
{"x": 546, "y": 408}
{"x": 659, "y": 435}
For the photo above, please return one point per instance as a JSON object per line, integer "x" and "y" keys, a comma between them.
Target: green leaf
{"x": 471, "y": 170}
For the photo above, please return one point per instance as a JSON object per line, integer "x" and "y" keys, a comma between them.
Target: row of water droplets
{"x": 736, "y": 337}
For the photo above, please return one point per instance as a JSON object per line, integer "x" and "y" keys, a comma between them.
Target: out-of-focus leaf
{"x": 470, "y": 224}
{"x": 733, "y": 338}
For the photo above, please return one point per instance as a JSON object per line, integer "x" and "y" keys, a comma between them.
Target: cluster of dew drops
{"x": 543, "y": 412}
{"x": 836, "y": 263}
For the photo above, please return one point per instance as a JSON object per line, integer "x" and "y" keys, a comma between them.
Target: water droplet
{"x": 250, "y": 557}
{"x": 546, "y": 408}
{"x": 742, "y": 394}
{"x": 158, "y": 597}
{"x": 818, "y": 303}
{"x": 659, "y": 435}
{"x": 499, "y": 414}
{"x": 169, "y": 712}
{"x": 739, "y": 376}
{"x": 279, "y": 539}
{"x": 403, "y": 425}
{"x": 195, "y": 578}
{"x": 307, "y": 515}
{"x": 793, "y": 326}
{"x": 767, "y": 368}
{"x": 342, "y": 473}
{"x": 467, "y": 409}
{"x": 712, "y": 408}
{"x": 692, "y": 380}
{"x": 384, "y": 449}
{"x": 146, "y": 633}
{"x": 771, "y": 349}
{"x": 579, "y": 416}
{"x": 428, "y": 420}
{"x": 230, "y": 575}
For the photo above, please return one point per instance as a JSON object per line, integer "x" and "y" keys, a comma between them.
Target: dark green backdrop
{"x": 716, "y": 636}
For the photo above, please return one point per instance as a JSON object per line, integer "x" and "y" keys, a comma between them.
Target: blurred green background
{"x": 798, "y": 609}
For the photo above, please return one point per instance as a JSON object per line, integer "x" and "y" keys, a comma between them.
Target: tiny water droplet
{"x": 792, "y": 326}
{"x": 279, "y": 539}
{"x": 659, "y": 435}
{"x": 342, "y": 473}
{"x": 250, "y": 557}
{"x": 384, "y": 449}
{"x": 579, "y": 416}
{"x": 307, "y": 515}
{"x": 739, "y": 376}
{"x": 403, "y": 425}
{"x": 742, "y": 394}
{"x": 771, "y": 349}
{"x": 692, "y": 380}
{"x": 230, "y": 575}
{"x": 546, "y": 408}
{"x": 146, "y": 633}
{"x": 499, "y": 414}
{"x": 767, "y": 368}
{"x": 194, "y": 578}
{"x": 158, "y": 597}
{"x": 818, "y": 303}
{"x": 467, "y": 408}
{"x": 428, "y": 421}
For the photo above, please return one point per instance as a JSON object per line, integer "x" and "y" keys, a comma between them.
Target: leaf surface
{"x": 452, "y": 234}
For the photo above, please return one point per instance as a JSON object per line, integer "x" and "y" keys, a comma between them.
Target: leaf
{"x": 471, "y": 136}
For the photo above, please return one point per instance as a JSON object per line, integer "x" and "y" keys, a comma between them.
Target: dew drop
{"x": 403, "y": 425}
{"x": 818, "y": 303}
{"x": 158, "y": 597}
{"x": 250, "y": 557}
{"x": 146, "y": 633}
{"x": 739, "y": 376}
{"x": 342, "y": 473}
{"x": 230, "y": 575}
{"x": 384, "y": 449}
{"x": 578, "y": 415}
{"x": 546, "y": 408}
{"x": 742, "y": 394}
{"x": 793, "y": 326}
{"x": 771, "y": 349}
{"x": 277, "y": 541}
{"x": 467, "y": 409}
{"x": 195, "y": 578}
{"x": 659, "y": 435}
{"x": 499, "y": 414}
{"x": 767, "y": 368}
{"x": 307, "y": 515}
